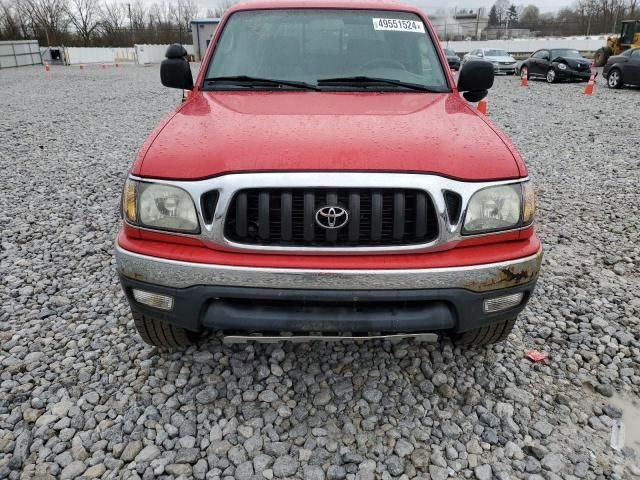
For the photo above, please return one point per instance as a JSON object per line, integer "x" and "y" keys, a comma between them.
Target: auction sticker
{"x": 398, "y": 25}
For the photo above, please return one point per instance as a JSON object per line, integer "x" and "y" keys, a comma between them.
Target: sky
{"x": 431, "y": 5}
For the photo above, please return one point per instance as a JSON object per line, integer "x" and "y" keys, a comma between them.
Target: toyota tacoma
{"x": 325, "y": 177}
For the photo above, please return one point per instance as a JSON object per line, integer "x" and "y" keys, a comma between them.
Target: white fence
{"x": 77, "y": 55}
{"x": 155, "y": 53}
{"x": 530, "y": 45}
{"x": 141, "y": 54}
{"x": 19, "y": 53}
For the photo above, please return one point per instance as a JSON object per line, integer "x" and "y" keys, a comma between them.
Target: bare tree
{"x": 113, "y": 17}
{"x": 47, "y": 19}
{"x": 85, "y": 15}
{"x": 10, "y": 22}
{"x": 223, "y": 6}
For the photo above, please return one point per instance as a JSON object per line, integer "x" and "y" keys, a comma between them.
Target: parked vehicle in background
{"x": 452, "y": 58}
{"x": 325, "y": 176}
{"x": 629, "y": 38}
{"x": 557, "y": 64}
{"x": 623, "y": 69}
{"x": 500, "y": 59}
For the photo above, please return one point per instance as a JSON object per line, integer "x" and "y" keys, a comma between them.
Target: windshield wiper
{"x": 246, "y": 79}
{"x": 359, "y": 80}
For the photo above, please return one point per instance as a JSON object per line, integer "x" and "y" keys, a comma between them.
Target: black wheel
{"x": 496, "y": 332}
{"x": 614, "y": 80}
{"x": 523, "y": 69}
{"x": 552, "y": 77}
{"x": 601, "y": 56}
{"x": 162, "y": 334}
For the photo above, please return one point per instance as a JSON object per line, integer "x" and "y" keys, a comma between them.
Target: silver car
{"x": 501, "y": 60}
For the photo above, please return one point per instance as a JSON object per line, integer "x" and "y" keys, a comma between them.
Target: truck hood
{"x": 222, "y": 132}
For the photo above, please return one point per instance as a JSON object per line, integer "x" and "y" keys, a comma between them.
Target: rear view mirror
{"x": 175, "y": 71}
{"x": 475, "y": 80}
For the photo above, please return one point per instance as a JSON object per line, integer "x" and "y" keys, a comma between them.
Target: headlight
{"x": 159, "y": 206}
{"x": 562, "y": 66}
{"x": 500, "y": 208}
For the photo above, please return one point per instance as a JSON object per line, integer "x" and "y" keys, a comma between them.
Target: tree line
{"x": 101, "y": 23}
{"x": 584, "y": 17}
{"x": 117, "y": 23}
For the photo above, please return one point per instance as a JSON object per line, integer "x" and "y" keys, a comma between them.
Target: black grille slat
{"x": 398, "y": 216}
{"x": 309, "y": 212}
{"x": 264, "y": 200}
{"x": 354, "y": 216}
{"x": 241, "y": 215}
{"x": 286, "y": 217}
{"x": 376, "y": 216}
{"x": 421, "y": 215}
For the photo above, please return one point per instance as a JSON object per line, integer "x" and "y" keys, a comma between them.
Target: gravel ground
{"x": 80, "y": 395}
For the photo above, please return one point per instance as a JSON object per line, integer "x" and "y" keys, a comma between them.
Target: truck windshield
{"x": 353, "y": 49}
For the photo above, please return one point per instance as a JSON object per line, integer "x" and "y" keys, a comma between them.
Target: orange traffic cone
{"x": 482, "y": 106}
{"x": 81, "y": 67}
{"x": 524, "y": 77}
{"x": 46, "y": 67}
{"x": 588, "y": 89}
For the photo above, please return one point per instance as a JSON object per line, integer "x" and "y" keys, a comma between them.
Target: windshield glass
{"x": 496, "y": 53}
{"x": 565, "y": 52}
{"x": 307, "y": 45}
{"x": 449, "y": 52}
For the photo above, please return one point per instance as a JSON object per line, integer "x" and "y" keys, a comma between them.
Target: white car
{"x": 501, "y": 60}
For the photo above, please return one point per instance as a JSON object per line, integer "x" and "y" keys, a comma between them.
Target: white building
{"x": 202, "y": 30}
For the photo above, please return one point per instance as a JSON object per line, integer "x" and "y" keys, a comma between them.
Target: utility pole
{"x": 133, "y": 38}
{"x": 477, "y": 22}
{"x": 179, "y": 22}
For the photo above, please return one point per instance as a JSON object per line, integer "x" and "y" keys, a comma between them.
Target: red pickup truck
{"x": 325, "y": 179}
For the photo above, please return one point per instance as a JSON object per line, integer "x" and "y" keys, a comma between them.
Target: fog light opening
{"x": 498, "y": 304}
{"x": 155, "y": 300}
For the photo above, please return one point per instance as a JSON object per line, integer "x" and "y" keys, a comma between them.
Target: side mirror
{"x": 475, "y": 79}
{"x": 481, "y": 55}
{"x": 175, "y": 71}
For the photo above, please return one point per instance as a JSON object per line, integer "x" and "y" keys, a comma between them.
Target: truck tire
{"x": 601, "y": 56}
{"x": 493, "y": 333}
{"x": 161, "y": 334}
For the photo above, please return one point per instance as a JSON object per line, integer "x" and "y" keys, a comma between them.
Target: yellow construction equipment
{"x": 629, "y": 37}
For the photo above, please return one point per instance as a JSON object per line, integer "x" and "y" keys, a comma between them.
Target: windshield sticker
{"x": 398, "y": 25}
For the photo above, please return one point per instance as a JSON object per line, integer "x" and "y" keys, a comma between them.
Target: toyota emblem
{"x": 330, "y": 217}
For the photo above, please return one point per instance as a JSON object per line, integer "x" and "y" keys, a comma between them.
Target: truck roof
{"x": 347, "y": 4}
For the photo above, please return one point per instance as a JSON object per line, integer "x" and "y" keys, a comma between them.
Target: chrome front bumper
{"x": 178, "y": 274}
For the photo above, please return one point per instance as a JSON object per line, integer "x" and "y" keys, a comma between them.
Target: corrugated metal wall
{"x": 19, "y": 53}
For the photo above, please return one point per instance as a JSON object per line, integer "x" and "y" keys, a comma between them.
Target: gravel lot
{"x": 80, "y": 395}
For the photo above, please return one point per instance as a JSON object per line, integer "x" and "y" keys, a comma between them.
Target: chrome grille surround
{"x": 227, "y": 185}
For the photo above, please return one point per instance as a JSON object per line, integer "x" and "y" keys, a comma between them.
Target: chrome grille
{"x": 286, "y": 217}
